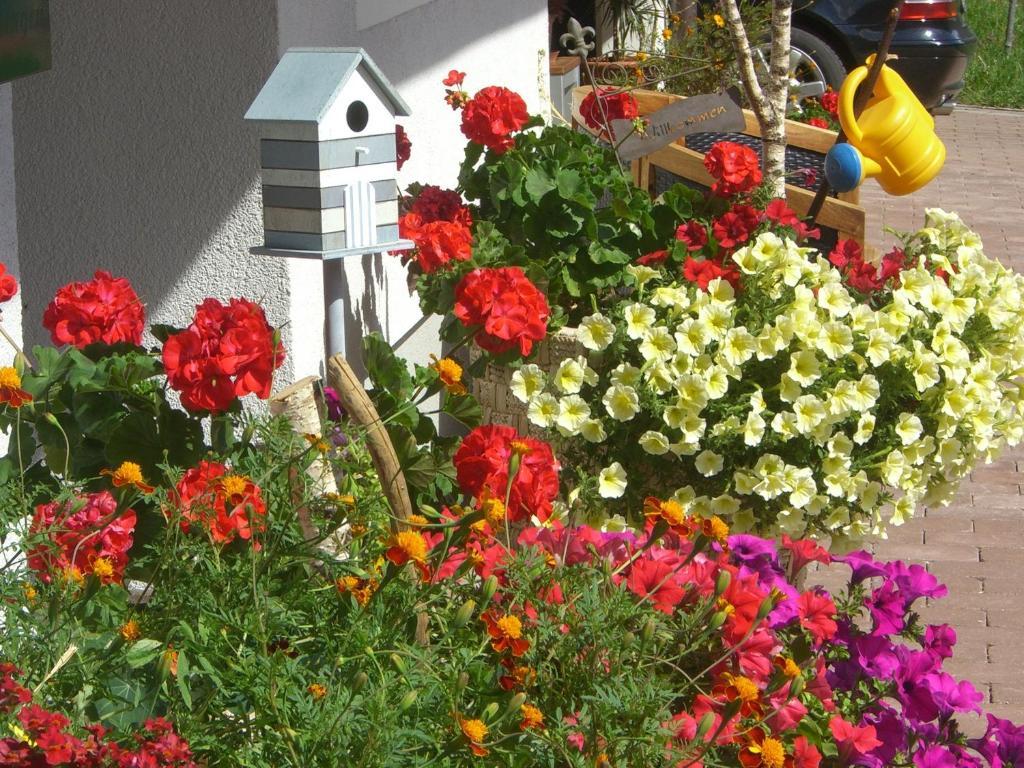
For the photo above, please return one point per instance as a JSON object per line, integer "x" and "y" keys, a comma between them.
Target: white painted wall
{"x": 132, "y": 154}
{"x": 8, "y": 224}
{"x": 415, "y": 43}
{"x": 11, "y": 311}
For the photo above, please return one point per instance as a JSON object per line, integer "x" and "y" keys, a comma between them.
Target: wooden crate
{"x": 841, "y": 214}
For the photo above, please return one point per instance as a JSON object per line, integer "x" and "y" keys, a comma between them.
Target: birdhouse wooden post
{"x": 328, "y": 161}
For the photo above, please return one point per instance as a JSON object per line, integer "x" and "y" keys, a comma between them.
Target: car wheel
{"x": 813, "y": 66}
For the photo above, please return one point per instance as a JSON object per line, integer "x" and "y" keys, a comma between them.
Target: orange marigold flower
{"x": 533, "y": 718}
{"x": 130, "y": 631}
{"x": 787, "y": 666}
{"x": 506, "y": 633}
{"x": 30, "y": 592}
{"x": 518, "y": 677}
{"x": 519, "y": 447}
{"x": 361, "y": 589}
{"x": 493, "y": 509}
{"x": 357, "y": 530}
{"x": 73, "y": 573}
{"x": 763, "y": 751}
{"x": 129, "y": 473}
{"x": 103, "y": 569}
{"x": 416, "y": 521}
{"x": 719, "y": 21}
{"x": 317, "y": 691}
{"x": 450, "y": 374}
{"x": 169, "y": 659}
{"x": 715, "y": 528}
{"x": 738, "y": 687}
{"x": 475, "y": 732}
{"x": 10, "y": 388}
{"x": 670, "y": 512}
{"x": 666, "y": 33}
{"x": 408, "y": 547}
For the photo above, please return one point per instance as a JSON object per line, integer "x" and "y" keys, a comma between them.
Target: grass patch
{"x": 995, "y": 77}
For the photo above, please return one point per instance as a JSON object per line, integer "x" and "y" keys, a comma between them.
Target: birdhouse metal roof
{"x": 307, "y": 82}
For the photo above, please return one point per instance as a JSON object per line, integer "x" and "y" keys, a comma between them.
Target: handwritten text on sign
{"x": 714, "y": 112}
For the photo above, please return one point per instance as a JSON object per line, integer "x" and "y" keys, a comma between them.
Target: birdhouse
{"x": 328, "y": 155}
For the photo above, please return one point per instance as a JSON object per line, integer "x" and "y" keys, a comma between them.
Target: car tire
{"x": 822, "y": 54}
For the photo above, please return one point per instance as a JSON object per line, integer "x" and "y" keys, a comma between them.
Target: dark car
{"x": 932, "y": 40}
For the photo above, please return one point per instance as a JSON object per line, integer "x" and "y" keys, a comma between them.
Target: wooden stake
{"x": 360, "y": 410}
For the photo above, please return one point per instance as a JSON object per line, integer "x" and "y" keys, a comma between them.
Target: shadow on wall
{"x": 132, "y": 155}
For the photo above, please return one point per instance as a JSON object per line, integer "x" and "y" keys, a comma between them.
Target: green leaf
{"x": 465, "y": 409}
{"x": 386, "y": 370}
{"x": 182, "y": 679}
{"x": 143, "y": 651}
{"x": 97, "y": 413}
{"x": 162, "y": 331}
{"x": 569, "y": 182}
{"x": 572, "y": 286}
{"x": 538, "y": 184}
{"x": 600, "y": 254}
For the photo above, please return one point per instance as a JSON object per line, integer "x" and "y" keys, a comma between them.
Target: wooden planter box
{"x": 843, "y": 215}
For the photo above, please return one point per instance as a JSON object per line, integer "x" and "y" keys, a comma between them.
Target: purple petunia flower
{"x": 939, "y": 639}
{"x": 863, "y": 565}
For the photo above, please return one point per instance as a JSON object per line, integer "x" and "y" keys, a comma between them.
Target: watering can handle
{"x": 846, "y": 97}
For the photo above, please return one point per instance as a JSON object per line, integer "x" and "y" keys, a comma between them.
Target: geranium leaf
{"x": 142, "y": 652}
{"x": 464, "y": 409}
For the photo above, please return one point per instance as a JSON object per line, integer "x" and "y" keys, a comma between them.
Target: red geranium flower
{"x": 735, "y": 227}
{"x": 403, "y": 146}
{"x": 105, "y": 309}
{"x": 438, "y": 243}
{"x": 437, "y": 204}
{"x": 736, "y": 168}
{"x": 818, "y": 122}
{"x": 694, "y": 233}
{"x": 618, "y": 105}
{"x": 508, "y": 309}
{"x": 228, "y": 505}
{"x": 817, "y": 615}
{"x": 804, "y": 551}
{"x": 8, "y": 285}
{"x": 86, "y": 535}
{"x": 483, "y": 462}
{"x": 228, "y": 351}
{"x": 830, "y": 101}
{"x": 848, "y": 258}
{"x": 853, "y": 741}
{"x": 492, "y": 116}
{"x": 454, "y": 78}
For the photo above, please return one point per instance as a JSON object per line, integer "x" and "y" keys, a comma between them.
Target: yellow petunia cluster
{"x": 798, "y": 405}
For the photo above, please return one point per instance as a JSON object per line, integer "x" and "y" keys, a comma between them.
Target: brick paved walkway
{"x": 976, "y": 545}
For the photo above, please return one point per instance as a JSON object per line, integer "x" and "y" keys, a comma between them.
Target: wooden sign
{"x": 715, "y": 112}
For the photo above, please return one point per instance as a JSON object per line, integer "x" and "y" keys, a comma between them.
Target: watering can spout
{"x": 893, "y": 140}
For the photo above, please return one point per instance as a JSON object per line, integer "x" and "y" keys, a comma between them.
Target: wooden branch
{"x": 745, "y": 59}
{"x": 360, "y": 409}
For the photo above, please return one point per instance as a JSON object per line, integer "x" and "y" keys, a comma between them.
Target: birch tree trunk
{"x": 769, "y": 100}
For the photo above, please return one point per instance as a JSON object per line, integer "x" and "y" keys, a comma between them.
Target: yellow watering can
{"x": 893, "y": 140}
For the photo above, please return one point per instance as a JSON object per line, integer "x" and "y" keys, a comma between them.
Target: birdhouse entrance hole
{"x": 357, "y": 116}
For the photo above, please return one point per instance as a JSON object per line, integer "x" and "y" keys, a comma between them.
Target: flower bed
{"x": 751, "y": 377}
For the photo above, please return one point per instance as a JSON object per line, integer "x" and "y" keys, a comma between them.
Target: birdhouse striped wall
{"x": 306, "y": 186}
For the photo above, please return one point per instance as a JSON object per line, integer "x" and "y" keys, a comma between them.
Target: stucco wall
{"x": 132, "y": 154}
{"x": 496, "y": 42}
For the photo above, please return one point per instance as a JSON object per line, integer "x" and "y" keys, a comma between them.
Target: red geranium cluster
{"x": 105, "y": 309}
{"x": 736, "y": 226}
{"x": 86, "y": 535}
{"x": 735, "y": 167}
{"x": 8, "y": 285}
{"x": 818, "y": 122}
{"x": 227, "y": 505}
{"x": 703, "y": 271}
{"x": 830, "y": 102}
{"x": 403, "y": 146}
{"x": 51, "y": 742}
{"x": 455, "y": 96}
{"x": 439, "y": 224}
{"x": 848, "y": 258}
{"x": 492, "y": 116}
{"x": 618, "y": 105}
{"x": 483, "y": 463}
{"x": 508, "y": 309}
{"x": 228, "y": 351}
